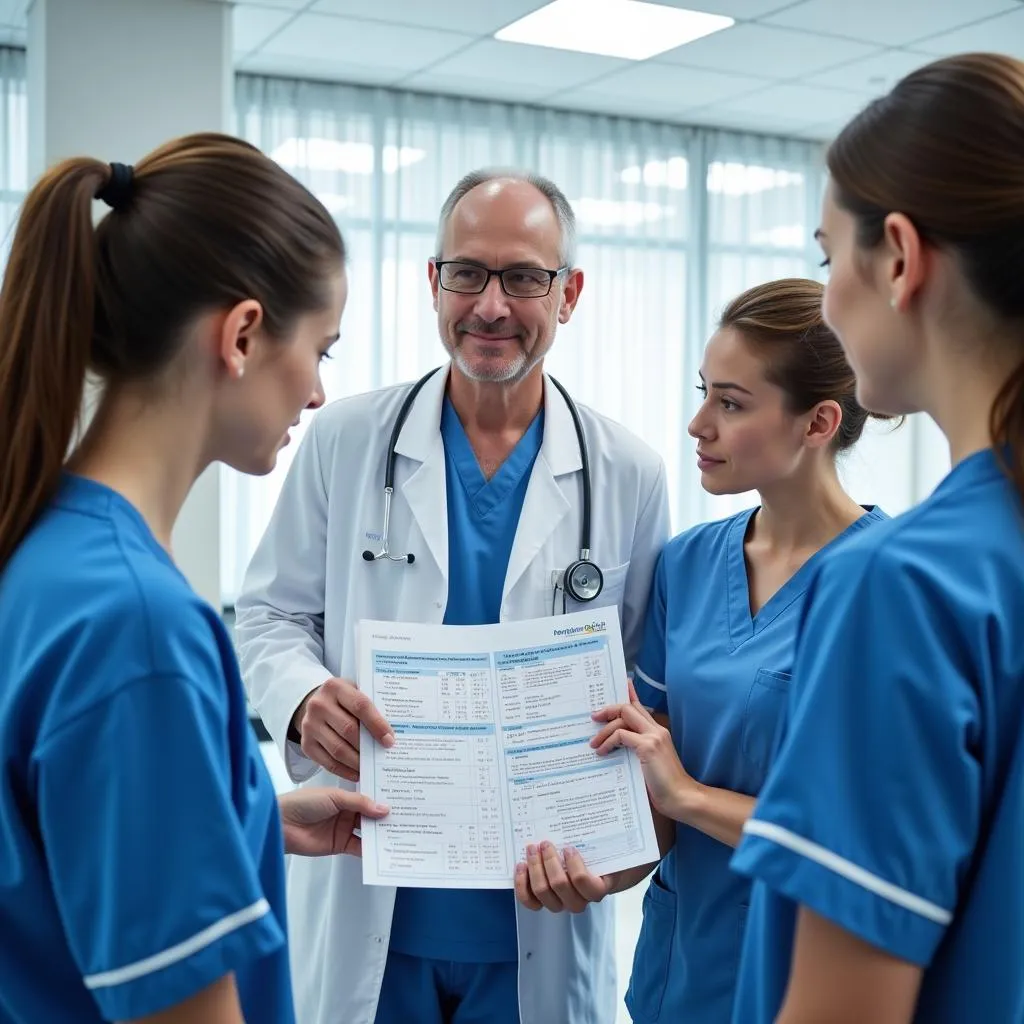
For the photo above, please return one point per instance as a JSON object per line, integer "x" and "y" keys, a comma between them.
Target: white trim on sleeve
{"x": 648, "y": 680}
{"x": 848, "y": 870}
{"x": 157, "y": 962}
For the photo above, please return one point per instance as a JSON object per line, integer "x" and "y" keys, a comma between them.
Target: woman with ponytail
{"x": 141, "y": 867}
{"x": 888, "y": 842}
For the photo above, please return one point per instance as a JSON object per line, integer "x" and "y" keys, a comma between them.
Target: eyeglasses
{"x": 517, "y": 282}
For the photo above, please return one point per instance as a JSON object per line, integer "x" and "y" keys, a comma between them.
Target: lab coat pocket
{"x": 653, "y": 954}
{"x": 612, "y": 592}
{"x": 763, "y": 717}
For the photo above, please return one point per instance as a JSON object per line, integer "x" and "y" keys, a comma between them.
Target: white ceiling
{"x": 793, "y": 67}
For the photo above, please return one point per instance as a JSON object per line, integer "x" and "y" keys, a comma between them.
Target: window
{"x": 672, "y": 223}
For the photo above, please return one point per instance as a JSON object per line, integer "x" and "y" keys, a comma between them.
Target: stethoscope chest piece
{"x": 583, "y": 580}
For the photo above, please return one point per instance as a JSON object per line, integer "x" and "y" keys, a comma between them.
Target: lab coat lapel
{"x": 545, "y": 505}
{"x": 424, "y": 490}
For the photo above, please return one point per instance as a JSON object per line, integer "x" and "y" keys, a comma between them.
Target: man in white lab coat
{"x": 488, "y": 487}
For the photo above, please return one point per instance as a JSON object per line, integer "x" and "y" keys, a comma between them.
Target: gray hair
{"x": 554, "y": 195}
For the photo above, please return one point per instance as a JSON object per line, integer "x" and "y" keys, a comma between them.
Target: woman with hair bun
{"x": 778, "y": 411}
{"x": 888, "y": 842}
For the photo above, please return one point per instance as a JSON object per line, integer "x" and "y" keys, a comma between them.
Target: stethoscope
{"x": 582, "y": 579}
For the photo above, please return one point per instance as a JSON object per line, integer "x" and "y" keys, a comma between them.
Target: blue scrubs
{"x": 452, "y": 950}
{"x": 896, "y": 805}
{"x": 140, "y": 843}
{"x": 722, "y": 676}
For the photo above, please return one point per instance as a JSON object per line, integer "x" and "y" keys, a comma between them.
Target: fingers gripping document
{"x": 492, "y": 727}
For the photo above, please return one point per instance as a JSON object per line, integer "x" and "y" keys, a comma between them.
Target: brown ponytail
{"x": 203, "y": 222}
{"x": 46, "y": 326}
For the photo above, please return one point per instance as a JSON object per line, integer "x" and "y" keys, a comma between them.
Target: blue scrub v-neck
{"x": 483, "y": 495}
{"x": 743, "y": 625}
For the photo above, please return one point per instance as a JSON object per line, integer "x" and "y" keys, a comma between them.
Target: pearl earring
{"x": 239, "y": 372}
{"x": 892, "y": 303}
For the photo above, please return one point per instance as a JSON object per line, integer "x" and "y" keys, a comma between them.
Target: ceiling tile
{"x": 873, "y": 75}
{"x": 765, "y": 51}
{"x": 798, "y": 102}
{"x": 1004, "y": 34}
{"x": 253, "y": 26}
{"x": 495, "y": 61}
{"x": 739, "y": 9}
{"x": 363, "y": 44}
{"x": 887, "y": 22}
{"x": 667, "y": 87}
{"x": 481, "y": 18}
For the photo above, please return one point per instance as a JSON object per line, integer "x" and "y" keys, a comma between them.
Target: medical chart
{"x": 492, "y": 727}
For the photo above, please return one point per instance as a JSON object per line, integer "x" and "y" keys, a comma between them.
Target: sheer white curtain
{"x": 673, "y": 222}
{"x": 13, "y": 143}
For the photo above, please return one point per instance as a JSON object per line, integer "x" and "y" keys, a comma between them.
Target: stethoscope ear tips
{"x": 368, "y": 556}
{"x": 411, "y": 557}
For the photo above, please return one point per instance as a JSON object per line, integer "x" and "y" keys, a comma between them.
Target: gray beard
{"x": 509, "y": 373}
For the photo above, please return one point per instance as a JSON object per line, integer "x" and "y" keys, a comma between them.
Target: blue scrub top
{"x": 896, "y": 805}
{"x": 140, "y": 844}
{"x": 722, "y": 677}
{"x": 471, "y": 925}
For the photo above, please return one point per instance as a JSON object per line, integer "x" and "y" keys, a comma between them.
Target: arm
{"x": 280, "y": 612}
{"x": 123, "y": 846}
{"x": 884, "y": 703}
{"x": 837, "y": 978}
{"x": 217, "y": 1004}
{"x": 313, "y": 717}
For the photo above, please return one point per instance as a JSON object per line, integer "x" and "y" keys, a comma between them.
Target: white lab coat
{"x": 308, "y": 586}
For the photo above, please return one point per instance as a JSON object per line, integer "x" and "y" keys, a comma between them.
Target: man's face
{"x": 492, "y": 336}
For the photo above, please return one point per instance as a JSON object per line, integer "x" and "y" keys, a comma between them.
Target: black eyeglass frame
{"x": 490, "y": 272}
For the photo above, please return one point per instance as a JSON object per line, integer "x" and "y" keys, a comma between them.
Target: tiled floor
{"x": 627, "y": 904}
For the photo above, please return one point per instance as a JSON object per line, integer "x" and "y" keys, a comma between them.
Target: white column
{"x": 112, "y": 79}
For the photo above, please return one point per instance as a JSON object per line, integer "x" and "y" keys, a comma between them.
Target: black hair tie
{"x": 117, "y": 192}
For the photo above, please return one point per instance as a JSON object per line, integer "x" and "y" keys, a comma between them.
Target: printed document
{"x": 492, "y": 728}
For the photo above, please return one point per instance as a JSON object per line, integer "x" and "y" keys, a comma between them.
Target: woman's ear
{"x": 823, "y": 423}
{"x": 237, "y": 328}
{"x": 904, "y": 260}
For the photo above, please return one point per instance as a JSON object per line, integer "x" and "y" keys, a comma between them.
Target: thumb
{"x": 345, "y": 800}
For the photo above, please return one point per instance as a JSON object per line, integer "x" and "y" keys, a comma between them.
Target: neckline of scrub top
{"x": 742, "y": 625}
{"x": 486, "y": 495}
{"x": 80, "y": 493}
{"x": 978, "y": 467}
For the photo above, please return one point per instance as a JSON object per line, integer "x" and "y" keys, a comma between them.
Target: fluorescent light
{"x": 316, "y": 154}
{"x": 613, "y": 28}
